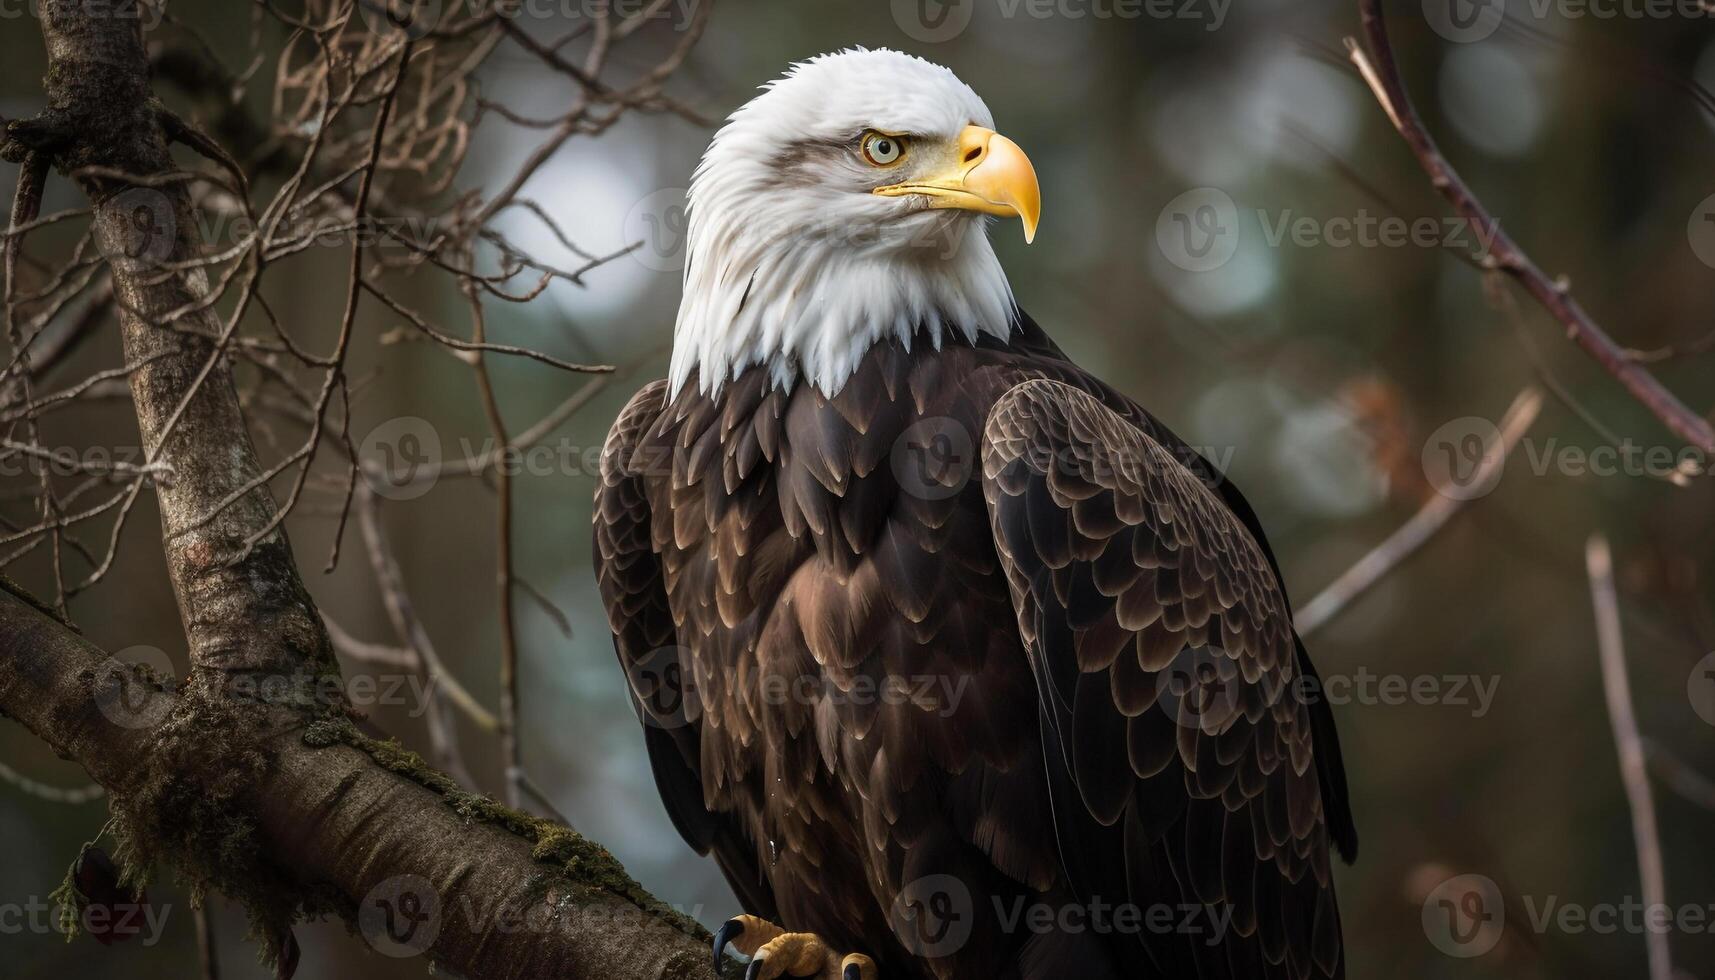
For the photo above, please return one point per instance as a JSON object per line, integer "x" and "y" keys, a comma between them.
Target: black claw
{"x": 852, "y": 972}
{"x": 725, "y": 934}
{"x": 754, "y": 968}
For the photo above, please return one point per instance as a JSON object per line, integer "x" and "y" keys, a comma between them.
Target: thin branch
{"x": 1381, "y": 72}
{"x": 1610, "y": 642}
{"x": 206, "y": 953}
{"x": 365, "y": 652}
{"x": 506, "y": 609}
{"x": 1414, "y": 533}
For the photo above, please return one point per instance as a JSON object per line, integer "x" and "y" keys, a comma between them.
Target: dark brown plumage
{"x": 1090, "y": 653}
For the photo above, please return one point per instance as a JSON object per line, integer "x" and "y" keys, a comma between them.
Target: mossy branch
{"x": 313, "y": 819}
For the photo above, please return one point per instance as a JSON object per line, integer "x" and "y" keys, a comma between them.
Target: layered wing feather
{"x": 1180, "y": 746}
{"x": 659, "y": 671}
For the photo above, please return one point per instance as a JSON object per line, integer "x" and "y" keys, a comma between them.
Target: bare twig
{"x": 1610, "y": 643}
{"x": 505, "y": 608}
{"x": 206, "y": 953}
{"x": 1404, "y": 542}
{"x": 1381, "y": 72}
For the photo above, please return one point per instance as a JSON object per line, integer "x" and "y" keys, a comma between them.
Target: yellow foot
{"x": 774, "y": 953}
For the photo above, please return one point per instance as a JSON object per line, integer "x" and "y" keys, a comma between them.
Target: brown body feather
{"x": 975, "y": 637}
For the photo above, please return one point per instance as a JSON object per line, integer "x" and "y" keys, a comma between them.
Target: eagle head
{"x": 843, "y": 206}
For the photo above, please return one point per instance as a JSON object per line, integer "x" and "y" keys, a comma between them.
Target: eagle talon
{"x": 776, "y": 953}
{"x": 746, "y": 934}
{"x": 729, "y": 930}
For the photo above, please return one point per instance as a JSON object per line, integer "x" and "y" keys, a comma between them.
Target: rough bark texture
{"x": 252, "y": 615}
{"x": 283, "y": 806}
{"x": 346, "y": 819}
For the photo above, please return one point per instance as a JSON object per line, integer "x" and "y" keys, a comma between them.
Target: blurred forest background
{"x": 1316, "y": 371}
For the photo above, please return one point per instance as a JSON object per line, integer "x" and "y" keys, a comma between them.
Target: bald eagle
{"x": 958, "y": 662}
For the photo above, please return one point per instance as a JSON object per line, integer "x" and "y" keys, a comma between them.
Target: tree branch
{"x": 1598, "y": 561}
{"x": 516, "y": 896}
{"x": 1413, "y": 534}
{"x": 252, "y": 615}
{"x": 1381, "y": 72}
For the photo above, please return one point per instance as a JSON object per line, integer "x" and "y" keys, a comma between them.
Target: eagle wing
{"x": 1173, "y": 723}
{"x": 645, "y": 637}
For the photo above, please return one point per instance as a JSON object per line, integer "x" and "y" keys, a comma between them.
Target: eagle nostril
{"x": 973, "y": 153}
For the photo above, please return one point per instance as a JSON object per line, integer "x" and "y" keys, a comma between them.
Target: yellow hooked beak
{"x": 991, "y": 174}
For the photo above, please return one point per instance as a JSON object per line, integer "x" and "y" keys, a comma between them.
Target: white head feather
{"x": 794, "y": 265}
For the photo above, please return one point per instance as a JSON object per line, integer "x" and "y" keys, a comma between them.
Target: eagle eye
{"x": 881, "y": 149}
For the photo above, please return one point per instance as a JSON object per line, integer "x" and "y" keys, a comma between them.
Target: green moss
{"x": 188, "y": 812}
{"x": 70, "y": 902}
{"x": 581, "y": 862}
